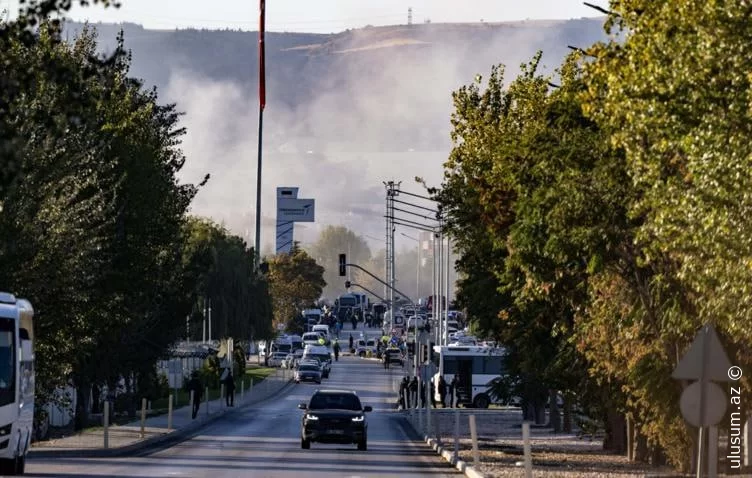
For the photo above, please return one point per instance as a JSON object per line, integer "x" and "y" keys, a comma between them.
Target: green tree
{"x": 295, "y": 282}
{"x": 93, "y": 213}
{"x": 673, "y": 92}
{"x": 222, "y": 265}
{"x": 333, "y": 241}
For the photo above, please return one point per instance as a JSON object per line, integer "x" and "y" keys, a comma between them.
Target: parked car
{"x": 277, "y": 358}
{"x": 289, "y": 361}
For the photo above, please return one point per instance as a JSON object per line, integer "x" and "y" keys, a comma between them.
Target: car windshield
{"x": 338, "y": 401}
{"x": 308, "y": 368}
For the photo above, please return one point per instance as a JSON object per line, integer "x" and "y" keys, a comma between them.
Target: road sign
{"x": 715, "y": 404}
{"x": 716, "y": 365}
{"x": 297, "y": 210}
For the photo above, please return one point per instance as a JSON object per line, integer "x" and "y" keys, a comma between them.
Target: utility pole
{"x": 446, "y": 291}
{"x": 392, "y": 190}
{"x": 410, "y": 15}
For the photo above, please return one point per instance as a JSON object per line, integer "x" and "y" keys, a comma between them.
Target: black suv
{"x": 334, "y": 416}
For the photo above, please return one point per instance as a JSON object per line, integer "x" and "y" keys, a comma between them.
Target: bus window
{"x": 450, "y": 365}
{"x": 489, "y": 365}
{"x": 7, "y": 362}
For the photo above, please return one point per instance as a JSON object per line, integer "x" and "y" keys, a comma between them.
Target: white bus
{"x": 475, "y": 367}
{"x": 16, "y": 383}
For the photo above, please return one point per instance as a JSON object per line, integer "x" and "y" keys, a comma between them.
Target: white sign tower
{"x": 290, "y": 210}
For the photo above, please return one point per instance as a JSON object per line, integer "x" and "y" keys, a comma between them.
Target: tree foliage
{"x": 601, "y": 223}
{"x": 93, "y": 225}
{"x": 333, "y": 241}
{"x": 222, "y": 265}
{"x": 295, "y": 282}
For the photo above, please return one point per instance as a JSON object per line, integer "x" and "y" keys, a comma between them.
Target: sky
{"x": 321, "y": 16}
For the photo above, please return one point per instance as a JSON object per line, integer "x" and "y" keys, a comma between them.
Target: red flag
{"x": 262, "y": 62}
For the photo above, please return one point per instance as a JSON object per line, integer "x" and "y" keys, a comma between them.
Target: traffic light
{"x": 342, "y": 262}
{"x": 347, "y": 284}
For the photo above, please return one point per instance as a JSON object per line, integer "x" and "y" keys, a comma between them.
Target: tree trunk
{"x": 95, "y": 396}
{"x": 540, "y": 412}
{"x": 528, "y": 411}
{"x": 567, "y": 413}
{"x": 641, "y": 449}
{"x": 630, "y": 438}
{"x": 130, "y": 385}
{"x": 616, "y": 432}
{"x": 81, "y": 419}
{"x": 554, "y": 417}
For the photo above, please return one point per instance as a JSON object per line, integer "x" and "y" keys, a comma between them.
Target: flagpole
{"x": 262, "y": 103}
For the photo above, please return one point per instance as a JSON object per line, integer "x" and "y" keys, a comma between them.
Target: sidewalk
{"x": 126, "y": 439}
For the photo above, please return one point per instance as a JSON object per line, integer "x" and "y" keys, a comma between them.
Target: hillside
{"x": 344, "y": 111}
{"x": 397, "y": 78}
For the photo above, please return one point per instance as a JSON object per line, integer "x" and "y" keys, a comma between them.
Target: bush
{"x": 209, "y": 372}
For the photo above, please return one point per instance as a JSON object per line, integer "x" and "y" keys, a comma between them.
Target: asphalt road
{"x": 265, "y": 441}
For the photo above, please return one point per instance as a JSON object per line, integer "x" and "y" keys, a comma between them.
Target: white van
{"x": 321, "y": 328}
{"x": 311, "y": 338}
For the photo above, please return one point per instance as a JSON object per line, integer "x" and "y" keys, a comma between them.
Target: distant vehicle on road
{"x": 308, "y": 373}
{"x": 322, "y": 354}
{"x": 334, "y": 416}
{"x": 16, "y": 383}
{"x": 363, "y": 347}
{"x": 312, "y": 338}
{"x": 394, "y": 355}
{"x": 277, "y": 359}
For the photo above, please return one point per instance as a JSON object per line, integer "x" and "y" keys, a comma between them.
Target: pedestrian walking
{"x": 352, "y": 349}
{"x": 414, "y": 391}
{"x": 336, "y": 351}
{"x": 194, "y": 385}
{"x": 230, "y": 390}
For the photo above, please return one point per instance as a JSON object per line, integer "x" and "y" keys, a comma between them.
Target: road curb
{"x": 175, "y": 436}
{"x": 448, "y": 455}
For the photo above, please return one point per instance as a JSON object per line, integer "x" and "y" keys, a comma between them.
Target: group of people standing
{"x": 409, "y": 391}
{"x": 195, "y": 387}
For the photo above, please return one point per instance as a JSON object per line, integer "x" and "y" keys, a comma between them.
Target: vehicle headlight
{"x": 358, "y": 419}
{"x": 311, "y": 417}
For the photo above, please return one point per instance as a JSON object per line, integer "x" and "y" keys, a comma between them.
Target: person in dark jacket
{"x": 414, "y": 391}
{"x": 194, "y": 385}
{"x": 230, "y": 390}
{"x": 352, "y": 349}
{"x": 403, "y": 390}
{"x": 335, "y": 348}
{"x": 454, "y": 391}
